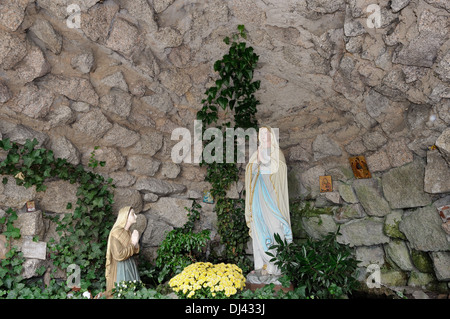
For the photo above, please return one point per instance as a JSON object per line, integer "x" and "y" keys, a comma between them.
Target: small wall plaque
{"x": 31, "y": 207}
{"x": 326, "y": 184}
{"x": 359, "y": 167}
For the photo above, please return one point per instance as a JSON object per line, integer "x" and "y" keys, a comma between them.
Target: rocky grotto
{"x": 338, "y": 81}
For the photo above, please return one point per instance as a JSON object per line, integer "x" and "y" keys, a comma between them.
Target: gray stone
{"x": 122, "y": 179}
{"x": 347, "y": 193}
{"x": 318, "y": 227}
{"x": 117, "y": 102}
{"x": 155, "y": 232}
{"x": 74, "y": 88}
{"x": 391, "y": 224}
{"x": 353, "y": 27}
{"x": 44, "y": 31}
{"x": 398, "y": 153}
{"x": 397, "y": 251}
{"x": 63, "y": 148}
{"x": 368, "y": 255}
{"x": 301, "y": 152}
{"x": 116, "y": 80}
{"x": 12, "y": 50}
{"x": 5, "y": 93}
{"x": 160, "y": 102}
{"x": 325, "y": 6}
{"x": 394, "y": 278}
{"x": 12, "y": 13}
{"x": 443, "y": 68}
{"x": 177, "y": 82}
{"x": 33, "y": 66}
{"x": 363, "y": 232}
{"x": 168, "y": 37}
{"x": 16, "y": 196}
{"x": 376, "y": 104}
{"x": 150, "y": 197}
{"x": 443, "y": 144}
{"x": 397, "y": 5}
{"x": 420, "y": 279}
{"x": 36, "y": 250}
{"x": 310, "y": 180}
{"x": 30, "y": 223}
{"x": 93, "y": 123}
{"x": 437, "y": 174}
{"x": 30, "y": 266}
{"x": 170, "y": 170}
{"x": 81, "y": 107}
{"x": 157, "y": 186}
{"x": 403, "y": 186}
{"x": 20, "y": 134}
{"x": 57, "y": 195}
{"x": 60, "y": 113}
{"x": 150, "y": 143}
{"x": 378, "y": 161}
{"x": 374, "y": 140}
{"x": 422, "y": 228}
{"x": 439, "y": 4}
{"x": 423, "y": 49}
{"x": 324, "y": 147}
{"x": 96, "y": 22}
{"x": 348, "y": 212}
{"x": 120, "y": 136}
{"x": 143, "y": 165}
{"x": 441, "y": 263}
{"x": 123, "y": 37}
{"x": 83, "y": 62}
{"x": 161, "y": 5}
{"x": 33, "y": 101}
{"x": 370, "y": 197}
{"x": 127, "y": 197}
{"x": 171, "y": 210}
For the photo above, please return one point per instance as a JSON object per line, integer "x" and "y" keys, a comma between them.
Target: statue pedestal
{"x": 257, "y": 280}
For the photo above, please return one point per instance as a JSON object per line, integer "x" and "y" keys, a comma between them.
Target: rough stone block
{"x": 363, "y": 232}
{"x": 403, "y": 186}
{"x": 422, "y": 228}
{"x": 36, "y": 250}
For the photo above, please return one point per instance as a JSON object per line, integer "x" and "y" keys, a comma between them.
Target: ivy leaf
{"x": 98, "y": 202}
{"x": 6, "y": 144}
{"x": 223, "y": 102}
{"x": 29, "y": 145}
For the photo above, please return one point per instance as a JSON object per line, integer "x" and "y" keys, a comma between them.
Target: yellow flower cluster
{"x": 203, "y": 279}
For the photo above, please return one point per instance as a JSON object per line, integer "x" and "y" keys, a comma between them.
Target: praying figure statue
{"x": 122, "y": 245}
{"x": 266, "y": 202}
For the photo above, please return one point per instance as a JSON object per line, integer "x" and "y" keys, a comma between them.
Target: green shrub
{"x": 326, "y": 268}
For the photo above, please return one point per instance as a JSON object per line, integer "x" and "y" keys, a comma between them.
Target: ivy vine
{"x": 82, "y": 234}
{"x": 233, "y": 93}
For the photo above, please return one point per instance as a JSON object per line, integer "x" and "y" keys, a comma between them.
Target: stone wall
{"x": 123, "y": 74}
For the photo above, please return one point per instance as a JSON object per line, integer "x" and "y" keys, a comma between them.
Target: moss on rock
{"x": 421, "y": 261}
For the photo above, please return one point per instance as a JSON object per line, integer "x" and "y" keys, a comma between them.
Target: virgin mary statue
{"x": 266, "y": 199}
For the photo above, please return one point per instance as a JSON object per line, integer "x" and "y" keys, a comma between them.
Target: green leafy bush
{"x": 182, "y": 246}
{"x": 326, "y": 268}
